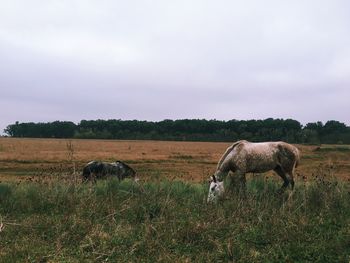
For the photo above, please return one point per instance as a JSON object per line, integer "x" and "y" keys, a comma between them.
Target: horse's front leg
{"x": 238, "y": 182}
{"x": 242, "y": 183}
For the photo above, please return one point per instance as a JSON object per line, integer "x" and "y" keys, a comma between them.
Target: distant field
{"x": 21, "y": 159}
{"x": 47, "y": 215}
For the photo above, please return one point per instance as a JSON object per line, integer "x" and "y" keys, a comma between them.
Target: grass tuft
{"x": 170, "y": 221}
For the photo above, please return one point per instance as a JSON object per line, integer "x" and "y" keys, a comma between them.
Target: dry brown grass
{"x": 193, "y": 161}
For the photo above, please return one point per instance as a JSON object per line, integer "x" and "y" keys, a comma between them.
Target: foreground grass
{"x": 171, "y": 222}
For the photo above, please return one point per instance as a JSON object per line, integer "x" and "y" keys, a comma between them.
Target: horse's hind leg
{"x": 291, "y": 177}
{"x": 288, "y": 169}
{"x": 282, "y": 174}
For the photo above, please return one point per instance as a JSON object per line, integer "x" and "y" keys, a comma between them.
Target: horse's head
{"x": 216, "y": 189}
{"x": 126, "y": 170}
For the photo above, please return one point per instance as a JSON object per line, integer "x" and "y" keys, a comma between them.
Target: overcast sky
{"x": 155, "y": 60}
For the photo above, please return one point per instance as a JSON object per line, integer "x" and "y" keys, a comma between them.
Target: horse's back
{"x": 269, "y": 147}
{"x": 258, "y": 148}
{"x": 264, "y": 156}
{"x": 93, "y": 167}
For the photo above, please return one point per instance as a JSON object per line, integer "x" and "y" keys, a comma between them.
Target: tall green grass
{"x": 171, "y": 222}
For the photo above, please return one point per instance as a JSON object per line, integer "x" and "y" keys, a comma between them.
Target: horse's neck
{"x": 226, "y": 153}
{"x": 222, "y": 170}
{"x": 223, "y": 164}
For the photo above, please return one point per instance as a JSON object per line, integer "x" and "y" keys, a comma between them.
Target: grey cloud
{"x": 74, "y": 60}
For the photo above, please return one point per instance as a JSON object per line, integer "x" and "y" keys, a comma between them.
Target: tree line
{"x": 270, "y": 129}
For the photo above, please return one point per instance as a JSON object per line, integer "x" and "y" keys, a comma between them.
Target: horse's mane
{"x": 228, "y": 150}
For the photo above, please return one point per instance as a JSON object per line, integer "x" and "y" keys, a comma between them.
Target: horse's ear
{"x": 214, "y": 178}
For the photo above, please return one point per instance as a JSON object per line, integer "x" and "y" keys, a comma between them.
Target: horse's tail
{"x": 297, "y": 158}
{"x": 228, "y": 150}
{"x": 296, "y": 163}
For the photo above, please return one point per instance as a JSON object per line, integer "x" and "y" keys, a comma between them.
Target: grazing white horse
{"x": 216, "y": 189}
{"x": 246, "y": 157}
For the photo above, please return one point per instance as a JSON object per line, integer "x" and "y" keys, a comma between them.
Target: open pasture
{"x": 47, "y": 215}
{"x": 22, "y": 159}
